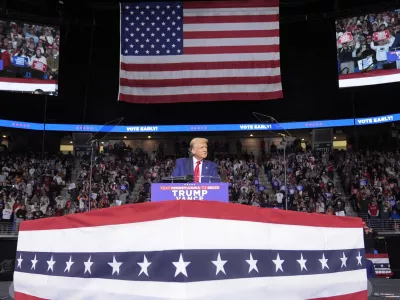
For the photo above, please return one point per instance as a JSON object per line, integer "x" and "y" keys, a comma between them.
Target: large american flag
{"x": 199, "y": 51}
{"x": 191, "y": 250}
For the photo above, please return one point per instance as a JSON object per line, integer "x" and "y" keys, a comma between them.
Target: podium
{"x": 191, "y": 250}
{"x": 189, "y": 191}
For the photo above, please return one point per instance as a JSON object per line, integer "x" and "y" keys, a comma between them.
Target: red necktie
{"x": 197, "y": 172}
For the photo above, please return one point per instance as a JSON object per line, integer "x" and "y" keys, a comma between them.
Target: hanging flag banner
{"x": 194, "y": 51}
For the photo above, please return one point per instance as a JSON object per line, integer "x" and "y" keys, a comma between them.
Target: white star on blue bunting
{"x": 172, "y": 266}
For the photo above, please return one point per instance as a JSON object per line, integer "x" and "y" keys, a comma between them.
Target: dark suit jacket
{"x": 370, "y": 269}
{"x": 184, "y": 167}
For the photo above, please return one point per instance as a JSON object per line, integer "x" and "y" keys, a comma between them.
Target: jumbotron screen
{"x": 29, "y": 57}
{"x": 368, "y": 49}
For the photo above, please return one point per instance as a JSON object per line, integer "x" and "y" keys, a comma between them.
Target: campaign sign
{"x": 393, "y": 55}
{"x": 189, "y": 191}
{"x": 19, "y": 61}
{"x": 381, "y": 35}
{"x": 365, "y": 63}
{"x": 345, "y": 38}
{"x": 39, "y": 66}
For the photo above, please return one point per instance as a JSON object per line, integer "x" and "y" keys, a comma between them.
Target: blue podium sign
{"x": 393, "y": 56}
{"x": 19, "y": 61}
{"x": 189, "y": 191}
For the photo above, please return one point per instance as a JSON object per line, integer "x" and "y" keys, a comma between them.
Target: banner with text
{"x": 20, "y": 61}
{"x": 39, "y": 66}
{"x": 381, "y": 35}
{"x": 345, "y": 38}
{"x": 189, "y": 191}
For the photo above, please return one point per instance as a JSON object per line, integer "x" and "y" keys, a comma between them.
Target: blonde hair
{"x": 197, "y": 140}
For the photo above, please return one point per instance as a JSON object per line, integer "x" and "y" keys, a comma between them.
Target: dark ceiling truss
{"x": 291, "y": 10}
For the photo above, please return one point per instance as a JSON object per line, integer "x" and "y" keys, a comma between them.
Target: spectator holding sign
{"x": 372, "y": 39}
{"x": 19, "y": 46}
{"x": 38, "y": 64}
{"x": 381, "y": 50}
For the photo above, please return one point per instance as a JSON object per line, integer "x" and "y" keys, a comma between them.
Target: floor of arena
{"x": 390, "y": 287}
{"x": 4, "y": 286}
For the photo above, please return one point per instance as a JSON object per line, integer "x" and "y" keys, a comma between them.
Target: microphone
{"x": 210, "y": 178}
{"x": 188, "y": 178}
{"x": 173, "y": 179}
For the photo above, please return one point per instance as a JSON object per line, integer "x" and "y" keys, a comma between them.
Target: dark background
{"x": 8, "y": 248}
{"x": 89, "y": 71}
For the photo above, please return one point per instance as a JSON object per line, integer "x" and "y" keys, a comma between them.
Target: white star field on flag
{"x": 152, "y": 29}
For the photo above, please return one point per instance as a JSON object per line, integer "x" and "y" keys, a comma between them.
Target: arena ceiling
{"x": 66, "y": 11}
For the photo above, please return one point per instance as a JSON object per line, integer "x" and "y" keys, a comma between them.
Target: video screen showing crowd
{"x": 369, "y": 43}
{"x": 29, "y": 54}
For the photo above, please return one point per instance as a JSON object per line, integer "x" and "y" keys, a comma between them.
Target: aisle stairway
{"x": 262, "y": 177}
{"x": 76, "y": 169}
{"x": 137, "y": 187}
{"x": 338, "y": 184}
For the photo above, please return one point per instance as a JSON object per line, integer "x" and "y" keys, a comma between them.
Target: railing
{"x": 8, "y": 229}
{"x": 381, "y": 225}
{"x": 385, "y": 225}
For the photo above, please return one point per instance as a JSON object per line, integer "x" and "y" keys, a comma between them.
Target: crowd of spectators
{"x": 310, "y": 183}
{"x": 372, "y": 180}
{"x": 30, "y": 186}
{"x": 33, "y": 188}
{"x": 365, "y": 36}
{"x": 29, "y": 51}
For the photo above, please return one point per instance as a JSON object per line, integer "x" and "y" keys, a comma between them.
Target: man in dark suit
{"x": 202, "y": 170}
{"x": 370, "y": 269}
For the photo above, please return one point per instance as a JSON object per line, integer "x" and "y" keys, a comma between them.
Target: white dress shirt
{"x": 200, "y": 166}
